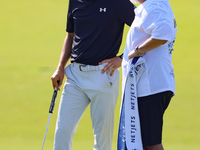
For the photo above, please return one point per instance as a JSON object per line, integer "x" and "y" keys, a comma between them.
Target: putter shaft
{"x": 46, "y": 131}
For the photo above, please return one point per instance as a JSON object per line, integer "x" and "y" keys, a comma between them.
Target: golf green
{"x": 31, "y": 38}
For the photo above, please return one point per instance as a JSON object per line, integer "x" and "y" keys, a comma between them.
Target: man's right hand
{"x": 64, "y": 57}
{"x": 57, "y": 76}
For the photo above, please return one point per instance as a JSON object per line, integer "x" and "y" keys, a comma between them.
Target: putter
{"x": 50, "y": 111}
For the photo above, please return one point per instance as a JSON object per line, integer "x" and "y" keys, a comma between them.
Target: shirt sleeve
{"x": 70, "y": 21}
{"x": 159, "y": 26}
{"x": 163, "y": 31}
{"x": 125, "y": 11}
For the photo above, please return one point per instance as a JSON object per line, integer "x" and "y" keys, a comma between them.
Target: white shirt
{"x": 154, "y": 19}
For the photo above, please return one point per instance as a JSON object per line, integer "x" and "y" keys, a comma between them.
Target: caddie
{"x": 150, "y": 39}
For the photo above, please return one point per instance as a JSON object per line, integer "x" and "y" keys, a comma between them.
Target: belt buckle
{"x": 81, "y": 66}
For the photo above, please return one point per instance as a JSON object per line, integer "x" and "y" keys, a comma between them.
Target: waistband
{"x": 86, "y": 68}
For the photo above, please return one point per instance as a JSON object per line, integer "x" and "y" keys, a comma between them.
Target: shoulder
{"x": 123, "y": 3}
{"x": 157, "y": 7}
{"x": 153, "y": 11}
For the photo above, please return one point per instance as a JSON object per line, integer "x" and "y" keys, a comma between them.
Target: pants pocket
{"x": 114, "y": 77}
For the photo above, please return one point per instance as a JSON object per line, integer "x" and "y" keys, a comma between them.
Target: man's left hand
{"x": 113, "y": 64}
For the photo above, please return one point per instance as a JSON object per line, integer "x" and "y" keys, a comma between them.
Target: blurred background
{"x": 31, "y": 38}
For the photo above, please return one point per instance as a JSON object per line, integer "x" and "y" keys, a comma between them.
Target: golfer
{"x": 94, "y": 35}
{"x": 148, "y": 60}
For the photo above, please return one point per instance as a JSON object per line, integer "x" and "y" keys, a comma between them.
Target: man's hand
{"x": 57, "y": 76}
{"x": 113, "y": 64}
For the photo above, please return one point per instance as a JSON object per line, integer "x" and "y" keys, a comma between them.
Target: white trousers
{"x": 87, "y": 85}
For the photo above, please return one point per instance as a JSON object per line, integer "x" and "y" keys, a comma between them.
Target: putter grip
{"x": 53, "y": 99}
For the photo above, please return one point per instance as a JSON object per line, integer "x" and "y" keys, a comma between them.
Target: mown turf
{"x": 31, "y": 37}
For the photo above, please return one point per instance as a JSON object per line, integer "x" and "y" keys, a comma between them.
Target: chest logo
{"x": 102, "y": 10}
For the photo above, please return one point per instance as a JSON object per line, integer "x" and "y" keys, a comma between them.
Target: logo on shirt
{"x": 102, "y": 10}
{"x": 172, "y": 73}
{"x": 170, "y": 46}
{"x": 175, "y": 25}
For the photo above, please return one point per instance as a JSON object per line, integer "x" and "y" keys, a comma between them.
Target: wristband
{"x": 136, "y": 50}
{"x": 121, "y": 56}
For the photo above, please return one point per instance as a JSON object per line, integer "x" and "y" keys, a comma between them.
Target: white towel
{"x": 131, "y": 134}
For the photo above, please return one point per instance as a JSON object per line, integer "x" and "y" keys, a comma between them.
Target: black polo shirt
{"x": 98, "y": 27}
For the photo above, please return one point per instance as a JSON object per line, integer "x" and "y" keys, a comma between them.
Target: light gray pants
{"x": 87, "y": 85}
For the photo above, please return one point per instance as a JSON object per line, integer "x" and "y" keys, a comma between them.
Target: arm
{"x": 148, "y": 45}
{"x": 64, "y": 58}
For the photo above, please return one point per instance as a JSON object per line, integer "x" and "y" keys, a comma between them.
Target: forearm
{"x": 64, "y": 57}
{"x": 66, "y": 51}
{"x": 148, "y": 45}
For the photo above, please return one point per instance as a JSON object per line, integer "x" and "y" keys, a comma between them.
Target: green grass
{"x": 31, "y": 37}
